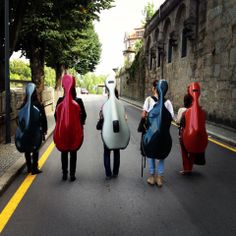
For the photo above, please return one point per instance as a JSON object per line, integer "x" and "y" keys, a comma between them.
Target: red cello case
{"x": 195, "y": 137}
{"x": 68, "y": 133}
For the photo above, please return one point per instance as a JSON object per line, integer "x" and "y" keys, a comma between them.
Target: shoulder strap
{"x": 154, "y": 98}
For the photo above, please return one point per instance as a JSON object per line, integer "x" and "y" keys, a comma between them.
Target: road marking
{"x": 21, "y": 191}
{"x": 222, "y": 145}
{"x": 216, "y": 142}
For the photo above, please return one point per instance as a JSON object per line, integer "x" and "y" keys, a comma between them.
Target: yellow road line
{"x": 19, "y": 194}
{"x": 216, "y": 142}
{"x": 222, "y": 145}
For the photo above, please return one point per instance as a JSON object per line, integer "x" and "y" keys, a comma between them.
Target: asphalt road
{"x": 201, "y": 204}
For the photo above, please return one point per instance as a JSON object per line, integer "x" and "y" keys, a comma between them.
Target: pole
{"x": 7, "y": 81}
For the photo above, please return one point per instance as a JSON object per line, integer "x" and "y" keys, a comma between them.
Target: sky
{"x": 124, "y": 17}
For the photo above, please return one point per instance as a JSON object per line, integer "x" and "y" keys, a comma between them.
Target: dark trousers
{"x": 32, "y": 160}
{"x": 64, "y": 162}
{"x": 107, "y": 162}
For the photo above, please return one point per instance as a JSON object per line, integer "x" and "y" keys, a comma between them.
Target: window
{"x": 159, "y": 60}
{"x": 169, "y": 58}
{"x": 184, "y": 45}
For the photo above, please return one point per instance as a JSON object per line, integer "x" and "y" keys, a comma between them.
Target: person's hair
{"x": 34, "y": 97}
{"x": 154, "y": 83}
{"x": 116, "y": 93}
{"x": 73, "y": 92}
{"x": 187, "y": 100}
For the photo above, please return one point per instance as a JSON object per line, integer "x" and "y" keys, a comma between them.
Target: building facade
{"x": 195, "y": 40}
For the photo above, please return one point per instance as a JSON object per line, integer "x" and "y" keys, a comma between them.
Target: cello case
{"x": 28, "y": 136}
{"x": 157, "y": 141}
{"x": 68, "y": 132}
{"x": 115, "y": 130}
{"x": 195, "y": 137}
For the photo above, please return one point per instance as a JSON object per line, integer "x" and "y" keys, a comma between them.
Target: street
{"x": 201, "y": 204}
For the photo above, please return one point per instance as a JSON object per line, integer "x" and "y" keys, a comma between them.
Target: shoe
{"x": 72, "y": 178}
{"x": 36, "y": 171}
{"x": 185, "y": 172}
{"x": 151, "y": 180}
{"x": 108, "y": 178}
{"x": 64, "y": 177}
{"x": 159, "y": 180}
{"x": 114, "y": 176}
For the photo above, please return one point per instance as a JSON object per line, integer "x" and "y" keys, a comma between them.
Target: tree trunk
{"x": 60, "y": 69}
{"x": 37, "y": 60}
{"x": 20, "y": 6}
{"x": 2, "y": 75}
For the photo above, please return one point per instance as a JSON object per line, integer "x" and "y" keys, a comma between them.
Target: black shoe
{"x": 64, "y": 177}
{"x": 108, "y": 177}
{"x": 36, "y": 171}
{"x": 72, "y": 178}
{"x": 114, "y": 176}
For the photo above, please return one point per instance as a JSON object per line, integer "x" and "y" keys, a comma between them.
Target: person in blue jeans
{"x": 107, "y": 152}
{"x": 156, "y": 167}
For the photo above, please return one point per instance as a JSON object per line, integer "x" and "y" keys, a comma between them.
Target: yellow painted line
{"x": 222, "y": 145}
{"x": 19, "y": 194}
{"x": 216, "y": 142}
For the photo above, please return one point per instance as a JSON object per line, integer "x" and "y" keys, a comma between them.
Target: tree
{"x": 53, "y": 24}
{"x": 36, "y": 21}
{"x": 81, "y": 52}
{"x": 148, "y": 12}
{"x": 90, "y": 81}
{"x": 17, "y": 12}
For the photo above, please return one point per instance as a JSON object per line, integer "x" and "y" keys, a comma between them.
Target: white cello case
{"x": 115, "y": 130}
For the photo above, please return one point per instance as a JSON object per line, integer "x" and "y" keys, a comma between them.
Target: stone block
{"x": 224, "y": 58}
{"x": 214, "y": 12}
{"x": 216, "y": 72}
{"x": 208, "y": 60}
{"x": 226, "y": 74}
{"x": 232, "y": 59}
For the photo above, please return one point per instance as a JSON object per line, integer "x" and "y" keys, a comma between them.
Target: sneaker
{"x": 64, "y": 177}
{"x": 185, "y": 172}
{"x": 72, "y": 178}
{"x": 159, "y": 180}
{"x": 108, "y": 177}
{"x": 151, "y": 180}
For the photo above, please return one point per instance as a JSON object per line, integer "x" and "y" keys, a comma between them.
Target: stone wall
{"x": 131, "y": 82}
{"x": 186, "y": 41}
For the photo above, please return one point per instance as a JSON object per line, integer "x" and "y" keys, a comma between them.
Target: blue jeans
{"x": 152, "y": 163}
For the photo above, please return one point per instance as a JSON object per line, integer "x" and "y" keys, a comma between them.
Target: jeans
{"x": 107, "y": 162}
{"x": 152, "y": 163}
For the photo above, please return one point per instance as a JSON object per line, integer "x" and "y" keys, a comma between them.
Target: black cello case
{"x": 28, "y": 136}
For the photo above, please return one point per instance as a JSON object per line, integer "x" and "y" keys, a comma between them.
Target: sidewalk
{"x": 12, "y": 161}
{"x": 221, "y": 133}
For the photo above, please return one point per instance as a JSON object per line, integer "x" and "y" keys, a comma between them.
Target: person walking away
{"x": 156, "y": 170}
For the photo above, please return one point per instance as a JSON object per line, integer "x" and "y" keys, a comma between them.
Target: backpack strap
{"x": 154, "y": 98}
